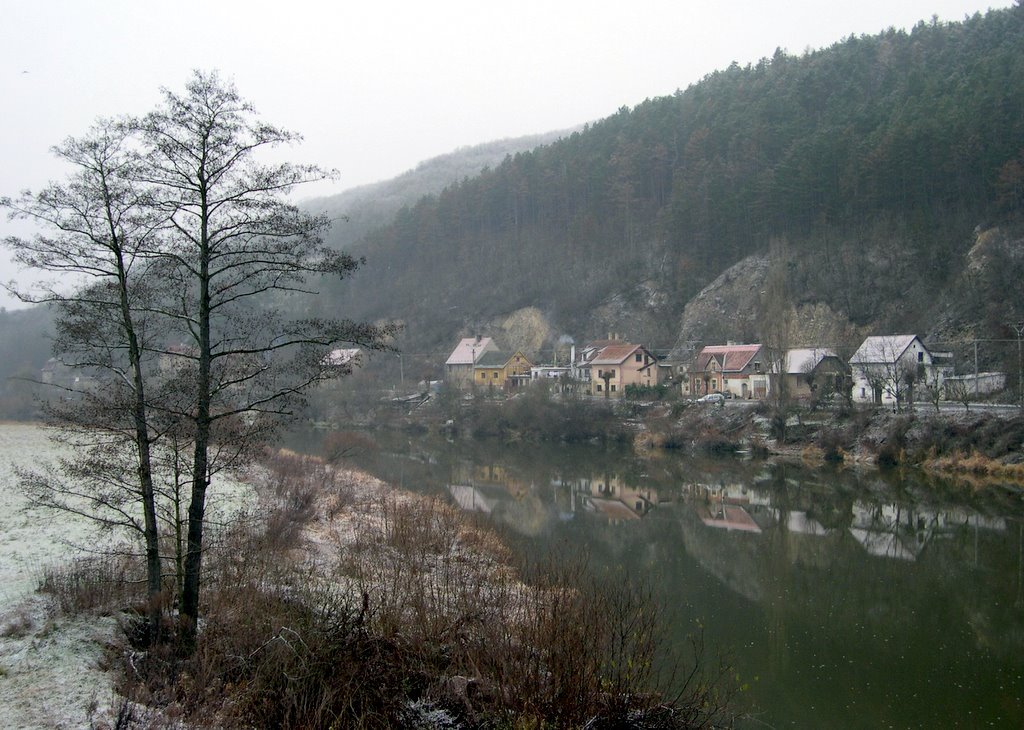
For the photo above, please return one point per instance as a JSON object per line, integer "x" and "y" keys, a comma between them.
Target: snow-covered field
{"x": 51, "y": 673}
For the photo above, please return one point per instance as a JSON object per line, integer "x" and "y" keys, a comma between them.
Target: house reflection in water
{"x": 887, "y": 530}
{"x": 612, "y": 497}
{"x": 489, "y": 489}
{"x": 725, "y": 506}
{"x": 902, "y": 533}
{"x": 727, "y": 517}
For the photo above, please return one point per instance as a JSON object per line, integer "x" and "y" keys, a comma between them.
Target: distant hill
{"x": 870, "y": 163}
{"x": 359, "y": 210}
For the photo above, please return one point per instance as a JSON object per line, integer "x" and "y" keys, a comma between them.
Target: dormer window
{"x": 757, "y": 366}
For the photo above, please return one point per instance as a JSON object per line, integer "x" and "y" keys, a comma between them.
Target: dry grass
{"x": 103, "y": 585}
{"x": 975, "y": 465}
{"x": 813, "y": 455}
{"x": 345, "y": 604}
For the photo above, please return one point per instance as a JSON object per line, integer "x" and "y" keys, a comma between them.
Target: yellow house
{"x": 498, "y": 370}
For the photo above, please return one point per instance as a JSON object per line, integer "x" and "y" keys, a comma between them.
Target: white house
{"x": 886, "y": 369}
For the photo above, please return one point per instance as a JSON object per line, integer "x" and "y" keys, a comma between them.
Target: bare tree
{"x": 237, "y": 249}
{"x": 934, "y": 390}
{"x": 194, "y": 255}
{"x": 99, "y": 227}
{"x": 957, "y": 390}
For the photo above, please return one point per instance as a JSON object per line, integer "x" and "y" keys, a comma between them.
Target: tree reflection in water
{"x": 846, "y": 598}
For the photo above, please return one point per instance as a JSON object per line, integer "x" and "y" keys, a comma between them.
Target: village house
{"x": 345, "y": 357}
{"x": 886, "y": 369}
{"x": 496, "y": 369}
{"x": 814, "y": 370}
{"x": 581, "y": 359}
{"x": 739, "y": 370}
{"x": 622, "y": 364}
{"x": 458, "y": 368}
{"x": 611, "y": 496}
{"x": 550, "y": 372}
{"x": 68, "y": 377}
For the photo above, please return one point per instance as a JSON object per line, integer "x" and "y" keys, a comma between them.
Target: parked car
{"x": 716, "y": 398}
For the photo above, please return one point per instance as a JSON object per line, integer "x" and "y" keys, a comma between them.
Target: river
{"x": 843, "y": 598}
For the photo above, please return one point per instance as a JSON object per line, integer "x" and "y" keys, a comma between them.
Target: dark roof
{"x": 492, "y": 359}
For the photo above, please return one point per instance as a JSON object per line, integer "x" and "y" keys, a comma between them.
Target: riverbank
{"x": 986, "y": 445}
{"x": 334, "y": 599}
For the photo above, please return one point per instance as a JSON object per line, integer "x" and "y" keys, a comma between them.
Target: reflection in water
{"x": 847, "y": 599}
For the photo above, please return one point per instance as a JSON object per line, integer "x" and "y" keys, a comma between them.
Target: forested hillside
{"x": 869, "y": 163}
{"x": 361, "y": 210}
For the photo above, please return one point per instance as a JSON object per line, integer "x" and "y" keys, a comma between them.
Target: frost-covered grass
{"x": 30, "y": 538}
{"x": 52, "y": 668}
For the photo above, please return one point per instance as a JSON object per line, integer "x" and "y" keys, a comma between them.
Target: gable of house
{"x": 884, "y": 349}
{"x": 729, "y": 358}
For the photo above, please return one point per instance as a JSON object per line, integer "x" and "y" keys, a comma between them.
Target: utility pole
{"x": 975, "y": 368}
{"x": 1018, "y": 327}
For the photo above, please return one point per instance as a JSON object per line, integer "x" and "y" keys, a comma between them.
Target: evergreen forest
{"x": 872, "y": 163}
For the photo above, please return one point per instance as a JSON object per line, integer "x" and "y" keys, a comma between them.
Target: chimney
{"x": 572, "y": 355}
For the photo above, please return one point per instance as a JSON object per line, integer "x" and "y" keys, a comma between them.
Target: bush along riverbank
{"x": 338, "y": 601}
{"x": 979, "y": 444}
{"x": 983, "y": 445}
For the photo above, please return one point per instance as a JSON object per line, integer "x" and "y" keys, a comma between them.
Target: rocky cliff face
{"x": 728, "y": 308}
{"x": 732, "y": 307}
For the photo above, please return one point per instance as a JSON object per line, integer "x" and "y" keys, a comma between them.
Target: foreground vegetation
{"x": 339, "y": 603}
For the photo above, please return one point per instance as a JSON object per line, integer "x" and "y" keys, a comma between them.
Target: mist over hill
{"x": 870, "y": 167}
{"x": 362, "y": 209}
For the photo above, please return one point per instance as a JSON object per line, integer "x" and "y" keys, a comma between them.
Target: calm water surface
{"x": 846, "y": 599}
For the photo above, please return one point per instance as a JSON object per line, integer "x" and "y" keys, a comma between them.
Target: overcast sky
{"x": 376, "y": 87}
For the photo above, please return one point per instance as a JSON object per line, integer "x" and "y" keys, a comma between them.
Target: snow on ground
{"x": 51, "y": 666}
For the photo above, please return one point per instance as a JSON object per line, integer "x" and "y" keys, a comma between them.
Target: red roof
{"x": 733, "y": 358}
{"x": 614, "y": 354}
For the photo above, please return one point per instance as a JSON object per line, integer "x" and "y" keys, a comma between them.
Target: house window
{"x": 757, "y": 366}
{"x": 920, "y": 357}
{"x": 863, "y": 393}
{"x": 600, "y": 373}
{"x": 714, "y": 384}
{"x": 613, "y": 388}
{"x": 598, "y": 388}
{"x": 494, "y": 375}
{"x": 639, "y": 357}
{"x": 483, "y": 376}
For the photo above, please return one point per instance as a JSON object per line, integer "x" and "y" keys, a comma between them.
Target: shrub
{"x": 646, "y": 392}
{"x": 418, "y": 615}
{"x": 101, "y": 584}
